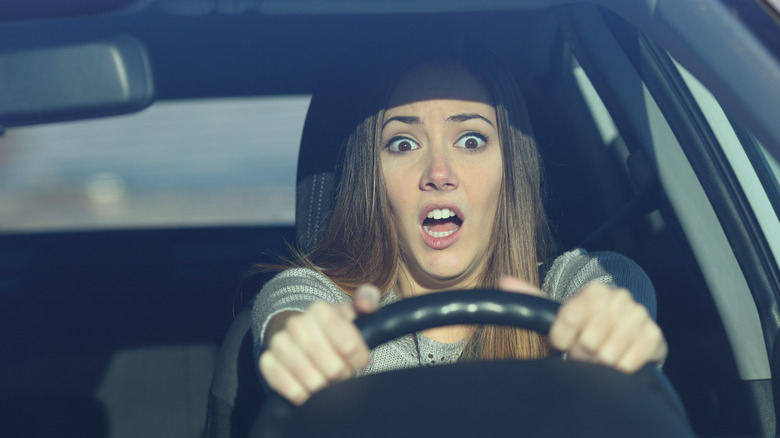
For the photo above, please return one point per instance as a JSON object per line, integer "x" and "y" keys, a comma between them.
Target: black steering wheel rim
{"x": 483, "y": 306}
{"x": 478, "y": 306}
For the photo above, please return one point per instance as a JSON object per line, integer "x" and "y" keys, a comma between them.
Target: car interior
{"x": 144, "y": 331}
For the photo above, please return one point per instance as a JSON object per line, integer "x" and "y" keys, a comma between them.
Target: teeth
{"x": 443, "y": 213}
{"x": 440, "y": 213}
{"x": 438, "y": 234}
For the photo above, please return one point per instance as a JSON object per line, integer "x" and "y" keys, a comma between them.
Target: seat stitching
{"x": 309, "y": 212}
{"x": 319, "y": 204}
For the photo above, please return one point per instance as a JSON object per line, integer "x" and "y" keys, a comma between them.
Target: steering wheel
{"x": 549, "y": 397}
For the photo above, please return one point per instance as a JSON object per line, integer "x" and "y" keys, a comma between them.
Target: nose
{"x": 440, "y": 174}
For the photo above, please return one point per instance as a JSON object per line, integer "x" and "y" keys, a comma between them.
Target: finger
{"x": 366, "y": 299}
{"x": 343, "y": 335}
{"x": 296, "y": 361}
{"x": 346, "y": 310}
{"x": 627, "y": 331}
{"x": 574, "y": 314}
{"x": 650, "y": 347}
{"x": 310, "y": 338}
{"x": 603, "y": 322}
{"x": 281, "y": 380}
{"x": 513, "y": 284}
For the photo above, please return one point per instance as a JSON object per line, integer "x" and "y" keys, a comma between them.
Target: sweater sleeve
{"x": 293, "y": 289}
{"x": 573, "y": 270}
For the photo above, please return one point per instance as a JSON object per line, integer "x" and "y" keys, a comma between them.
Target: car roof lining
{"x": 257, "y": 65}
{"x": 269, "y": 70}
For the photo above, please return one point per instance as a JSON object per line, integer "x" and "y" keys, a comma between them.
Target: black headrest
{"x": 334, "y": 111}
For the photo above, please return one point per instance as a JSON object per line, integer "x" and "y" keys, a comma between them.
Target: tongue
{"x": 441, "y": 225}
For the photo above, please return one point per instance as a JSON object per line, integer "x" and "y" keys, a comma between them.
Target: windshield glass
{"x": 192, "y": 163}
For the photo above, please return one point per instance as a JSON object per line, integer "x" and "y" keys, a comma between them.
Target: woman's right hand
{"x": 310, "y": 350}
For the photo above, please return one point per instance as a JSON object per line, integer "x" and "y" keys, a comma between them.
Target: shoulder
{"x": 303, "y": 281}
{"x": 293, "y": 289}
{"x": 300, "y": 276}
{"x": 573, "y": 270}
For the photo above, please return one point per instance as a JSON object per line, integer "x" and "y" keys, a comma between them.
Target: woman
{"x": 440, "y": 189}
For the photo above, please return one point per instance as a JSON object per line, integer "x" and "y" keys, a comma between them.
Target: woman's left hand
{"x": 603, "y": 325}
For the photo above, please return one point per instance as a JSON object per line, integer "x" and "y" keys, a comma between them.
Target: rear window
{"x": 182, "y": 163}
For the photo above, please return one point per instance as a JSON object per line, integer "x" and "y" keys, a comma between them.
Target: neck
{"x": 449, "y": 334}
{"x": 408, "y": 286}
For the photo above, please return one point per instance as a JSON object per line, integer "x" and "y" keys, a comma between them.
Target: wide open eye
{"x": 472, "y": 141}
{"x": 402, "y": 144}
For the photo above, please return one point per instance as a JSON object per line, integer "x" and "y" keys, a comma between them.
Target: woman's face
{"x": 442, "y": 166}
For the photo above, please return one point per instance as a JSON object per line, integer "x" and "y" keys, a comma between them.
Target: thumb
{"x": 366, "y": 299}
{"x": 514, "y": 284}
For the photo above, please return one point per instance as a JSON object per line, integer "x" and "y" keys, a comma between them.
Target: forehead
{"x": 439, "y": 80}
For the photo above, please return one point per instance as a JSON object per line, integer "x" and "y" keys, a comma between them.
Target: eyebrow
{"x": 409, "y": 120}
{"x": 465, "y": 117}
{"x": 414, "y": 120}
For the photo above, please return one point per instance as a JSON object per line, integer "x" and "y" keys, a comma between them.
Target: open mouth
{"x": 441, "y": 222}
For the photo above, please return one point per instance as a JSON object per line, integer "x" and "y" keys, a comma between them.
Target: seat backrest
{"x": 333, "y": 113}
{"x": 235, "y": 395}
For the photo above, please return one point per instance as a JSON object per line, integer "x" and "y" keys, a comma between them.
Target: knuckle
{"x": 623, "y": 299}
{"x": 623, "y": 294}
{"x": 316, "y": 383}
{"x": 600, "y": 290}
{"x": 656, "y": 335}
{"x": 278, "y": 341}
{"x": 561, "y": 335}
{"x": 628, "y": 367}
{"x": 336, "y": 373}
{"x": 578, "y": 352}
{"x": 641, "y": 311}
{"x": 569, "y": 317}
{"x": 326, "y": 314}
{"x": 309, "y": 376}
{"x": 589, "y": 344}
{"x": 283, "y": 380}
{"x": 357, "y": 354}
{"x": 332, "y": 374}
{"x": 265, "y": 364}
{"x": 294, "y": 323}
{"x": 317, "y": 306}
{"x": 298, "y": 328}
{"x": 296, "y": 394}
{"x": 607, "y": 357}
{"x": 334, "y": 316}
{"x": 324, "y": 309}
{"x": 348, "y": 345}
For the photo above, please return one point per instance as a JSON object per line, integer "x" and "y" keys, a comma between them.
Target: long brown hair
{"x": 360, "y": 243}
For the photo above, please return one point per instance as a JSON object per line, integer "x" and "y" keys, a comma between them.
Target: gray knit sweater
{"x": 297, "y": 288}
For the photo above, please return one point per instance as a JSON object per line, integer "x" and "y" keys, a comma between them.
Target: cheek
{"x": 491, "y": 199}
{"x": 492, "y": 184}
{"x": 489, "y": 181}
{"x": 396, "y": 188}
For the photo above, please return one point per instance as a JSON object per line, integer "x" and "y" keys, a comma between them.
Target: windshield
{"x": 204, "y": 162}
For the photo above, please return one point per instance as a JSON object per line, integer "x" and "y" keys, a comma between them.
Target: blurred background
{"x": 193, "y": 162}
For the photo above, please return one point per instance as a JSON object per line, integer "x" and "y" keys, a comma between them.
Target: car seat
{"x": 235, "y": 395}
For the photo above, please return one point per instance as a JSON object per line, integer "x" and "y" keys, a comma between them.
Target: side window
{"x": 601, "y": 117}
{"x": 709, "y": 261}
{"x": 756, "y": 170}
{"x": 192, "y": 163}
{"x": 607, "y": 129}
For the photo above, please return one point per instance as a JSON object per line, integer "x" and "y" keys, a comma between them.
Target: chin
{"x": 448, "y": 276}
